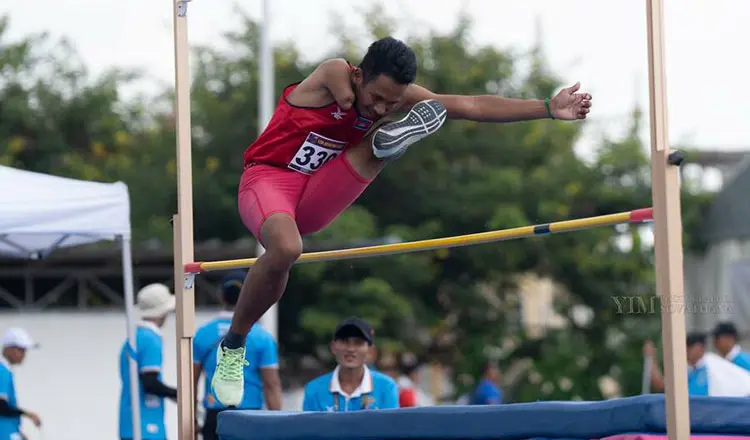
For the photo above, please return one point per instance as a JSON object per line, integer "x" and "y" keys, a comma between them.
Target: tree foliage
{"x": 459, "y": 306}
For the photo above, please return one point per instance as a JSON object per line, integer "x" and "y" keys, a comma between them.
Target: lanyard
{"x": 365, "y": 398}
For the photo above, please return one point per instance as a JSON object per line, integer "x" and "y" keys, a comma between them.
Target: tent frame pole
{"x": 130, "y": 320}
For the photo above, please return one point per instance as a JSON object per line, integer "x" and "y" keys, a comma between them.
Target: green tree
{"x": 458, "y": 306}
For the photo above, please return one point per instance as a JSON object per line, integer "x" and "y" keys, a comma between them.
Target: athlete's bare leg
{"x": 363, "y": 160}
{"x": 263, "y": 286}
{"x": 267, "y": 280}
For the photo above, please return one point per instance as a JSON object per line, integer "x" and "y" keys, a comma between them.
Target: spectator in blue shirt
{"x": 725, "y": 342}
{"x": 352, "y": 386}
{"x": 261, "y": 382}
{"x": 487, "y": 392}
{"x": 697, "y": 372}
{"x": 155, "y": 302}
{"x": 16, "y": 341}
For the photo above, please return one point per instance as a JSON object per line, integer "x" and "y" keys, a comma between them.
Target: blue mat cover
{"x": 552, "y": 420}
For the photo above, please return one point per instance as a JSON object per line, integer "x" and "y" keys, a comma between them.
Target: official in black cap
{"x": 352, "y": 386}
{"x": 359, "y": 325}
{"x": 354, "y": 328}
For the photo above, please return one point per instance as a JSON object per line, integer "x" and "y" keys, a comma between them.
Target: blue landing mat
{"x": 552, "y": 420}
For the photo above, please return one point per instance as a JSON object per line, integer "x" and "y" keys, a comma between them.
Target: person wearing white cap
{"x": 154, "y": 302}
{"x": 16, "y": 342}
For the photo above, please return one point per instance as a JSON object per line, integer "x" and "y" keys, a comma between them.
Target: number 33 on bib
{"x": 315, "y": 152}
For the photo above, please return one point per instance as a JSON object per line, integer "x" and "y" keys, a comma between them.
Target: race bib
{"x": 315, "y": 152}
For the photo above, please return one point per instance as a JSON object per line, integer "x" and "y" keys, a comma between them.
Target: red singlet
{"x": 288, "y": 175}
{"x": 306, "y": 138}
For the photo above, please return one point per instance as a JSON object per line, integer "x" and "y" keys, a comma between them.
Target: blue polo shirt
{"x": 487, "y": 393}
{"x": 260, "y": 352}
{"x": 698, "y": 380}
{"x": 148, "y": 341}
{"x": 10, "y": 427}
{"x": 739, "y": 357}
{"x": 377, "y": 391}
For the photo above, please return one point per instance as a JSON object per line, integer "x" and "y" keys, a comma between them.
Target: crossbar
{"x": 635, "y": 216}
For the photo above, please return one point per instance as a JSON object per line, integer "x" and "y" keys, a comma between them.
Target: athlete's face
{"x": 377, "y": 97}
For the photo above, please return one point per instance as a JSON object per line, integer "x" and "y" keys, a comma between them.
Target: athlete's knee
{"x": 285, "y": 252}
{"x": 282, "y": 241}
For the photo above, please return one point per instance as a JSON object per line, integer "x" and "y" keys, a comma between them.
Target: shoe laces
{"x": 232, "y": 363}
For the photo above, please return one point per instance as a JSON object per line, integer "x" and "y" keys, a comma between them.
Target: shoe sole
{"x": 424, "y": 119}
{"x": 233, "y": 404}
{"x": 213, "y": 388}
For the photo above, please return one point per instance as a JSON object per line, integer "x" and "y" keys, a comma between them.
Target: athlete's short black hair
{"x": 391, "y": 57}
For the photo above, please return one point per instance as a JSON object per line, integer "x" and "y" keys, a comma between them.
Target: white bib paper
{"x": 315, "y": 152}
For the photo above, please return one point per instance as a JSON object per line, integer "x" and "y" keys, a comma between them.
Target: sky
{"x": 602, "y": 44}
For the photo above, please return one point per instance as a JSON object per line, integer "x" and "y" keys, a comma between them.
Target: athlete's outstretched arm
{"x": 566, "y": 105}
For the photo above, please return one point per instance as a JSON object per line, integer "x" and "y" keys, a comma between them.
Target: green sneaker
{"x": 228, "y": 382}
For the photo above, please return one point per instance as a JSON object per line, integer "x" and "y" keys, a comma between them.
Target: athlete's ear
{"x": 357, "y": 76}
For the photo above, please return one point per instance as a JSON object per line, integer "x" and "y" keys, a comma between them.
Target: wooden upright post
{"x": 183, "y": 230}
{"x": 667, "y": 233}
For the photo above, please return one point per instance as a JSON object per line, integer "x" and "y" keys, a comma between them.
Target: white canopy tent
{"x": 40, "y": 213}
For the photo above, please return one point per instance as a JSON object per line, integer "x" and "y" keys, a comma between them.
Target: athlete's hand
{"x": 569, "y": 105}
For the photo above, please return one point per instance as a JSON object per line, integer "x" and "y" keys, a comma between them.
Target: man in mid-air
{"x": 326, "y": 142}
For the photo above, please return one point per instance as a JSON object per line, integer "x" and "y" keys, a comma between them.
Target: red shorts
{"x": 313, "y": 201}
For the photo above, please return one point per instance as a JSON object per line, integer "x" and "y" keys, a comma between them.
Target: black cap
{"x": 355, "y": 327}
{"x": 725, "y": 329}
{"x": 231, "y": 285}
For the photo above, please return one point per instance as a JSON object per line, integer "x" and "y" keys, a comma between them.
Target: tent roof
{"x": 40, "y": 212}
